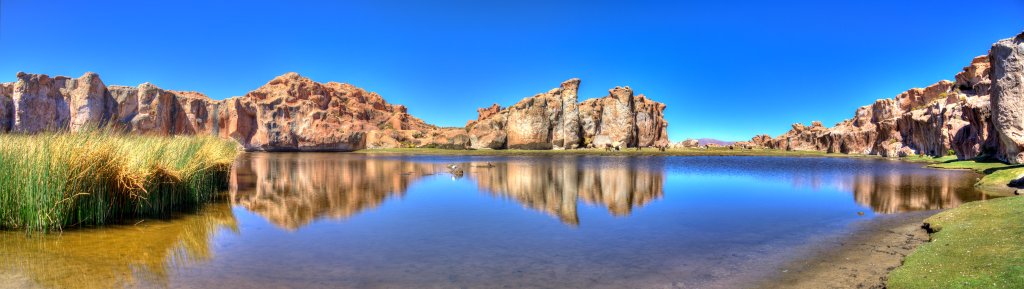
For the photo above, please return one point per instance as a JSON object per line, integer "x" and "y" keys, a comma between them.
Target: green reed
{"x": 57, "y": 180}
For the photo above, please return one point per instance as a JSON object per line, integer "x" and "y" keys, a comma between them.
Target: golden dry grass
{"x": 56, "y": 180}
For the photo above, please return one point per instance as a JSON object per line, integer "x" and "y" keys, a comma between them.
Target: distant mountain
{"x": 705, "y": 141}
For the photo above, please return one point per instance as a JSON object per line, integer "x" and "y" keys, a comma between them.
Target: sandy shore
{"x": 861, "y": 258}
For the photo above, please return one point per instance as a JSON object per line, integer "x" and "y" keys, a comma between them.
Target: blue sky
{"x": 726, "y": 69}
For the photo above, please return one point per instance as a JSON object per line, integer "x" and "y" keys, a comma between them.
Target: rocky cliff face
{"x": 980, "y": 114}
{"x": 555, "y": 120}
{"x": 294, "y": 113}
{"x": 543, "y": 121}
{"x": 288, "y": 113}
{"x": 1007, "y": 76}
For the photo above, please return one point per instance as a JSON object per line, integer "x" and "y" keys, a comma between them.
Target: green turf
{"x": 977, "y": 245}
{"x": 997, "y": 174}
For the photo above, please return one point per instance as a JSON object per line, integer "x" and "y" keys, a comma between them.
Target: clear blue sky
{"x": 726, "y": 69}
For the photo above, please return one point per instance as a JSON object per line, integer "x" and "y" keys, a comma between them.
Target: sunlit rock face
{"x": 37, "y": 103}
{"x": 148, "y": 109}
{"x": 556, "y": 120}
{"x": 488, "y": 130}
{"x": 42, "y": 103}
{"x": 295, "y": 113}
{"x": 977, "y": 115}
{"x": 1007, "y": 77}
{"x": 918, "y": 121}
{"x": 294, "y": 190}
{"x": 651, "y": 127}
{"x": 544, "y": 121}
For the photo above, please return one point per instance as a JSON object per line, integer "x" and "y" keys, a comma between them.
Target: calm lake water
{"x": 312, "y": 220}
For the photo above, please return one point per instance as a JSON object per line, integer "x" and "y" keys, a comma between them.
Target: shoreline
{"x": 863, "y": 257}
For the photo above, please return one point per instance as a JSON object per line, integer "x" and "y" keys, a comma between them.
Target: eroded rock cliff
{"x": 1007, "y": 76}
{"x": 556, "y": 120}
{"x": 979, "y": 114}
{"x": 294, "y": 113}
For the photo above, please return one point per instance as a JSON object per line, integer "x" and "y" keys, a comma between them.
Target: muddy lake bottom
{"x": 336, "y": 220}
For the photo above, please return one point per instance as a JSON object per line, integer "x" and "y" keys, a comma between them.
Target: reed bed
{"x": 58, "y": 180}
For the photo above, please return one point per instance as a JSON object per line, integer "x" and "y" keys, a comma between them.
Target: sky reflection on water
{"x": 348, "y": 220}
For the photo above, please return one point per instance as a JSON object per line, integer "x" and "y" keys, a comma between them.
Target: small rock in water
{"x": 860, "y": 213}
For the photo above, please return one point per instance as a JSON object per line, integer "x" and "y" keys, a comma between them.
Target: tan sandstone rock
{"x": 488, "y": 130}
{"x": 651, "y": 127}
{"x": 294, "y": 113}
{"x": 545, "y": 121}
{"x": 1007, "y": 74}
{"x": 617, "y": 120}
{"x": 39, "y": 103}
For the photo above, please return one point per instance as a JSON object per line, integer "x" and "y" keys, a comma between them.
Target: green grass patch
{"x": 928, "y": 159}
{"x": 997, "y": 174}
{"x": 57, "y": 180}
{"x": 977, "y": 245}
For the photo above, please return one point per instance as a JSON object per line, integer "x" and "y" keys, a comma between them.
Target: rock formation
{"x": 294, "y": 113}
{"x": 6, "y": 107}
{"x": 488, "y": 130}
{"x": 41, "y": 103}
{"x": 977, "y": 115}
{"x": 555, "y": 120}
{"x": 1007, "y": 75}
{"x": 543, "y": 121}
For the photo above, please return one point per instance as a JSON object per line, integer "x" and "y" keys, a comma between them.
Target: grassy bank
{"x": 602, "y": 152}
{"x": 53, "y": 181}
{"x": 977, "y": 245}
{"x": 997, "y": 174}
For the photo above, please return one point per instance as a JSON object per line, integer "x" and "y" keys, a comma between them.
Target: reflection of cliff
{"x": 292, "y": 190}
{"x": 894, "y": 193}
{"x": 554, "y": 187}
{"x": 897, "y": 191}
{"x": 142, "y": 255}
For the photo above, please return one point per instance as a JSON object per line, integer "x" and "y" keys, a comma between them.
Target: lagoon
{"x": 328, "y": 220}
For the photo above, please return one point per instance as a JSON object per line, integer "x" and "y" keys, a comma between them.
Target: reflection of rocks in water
{"x": 292, "y": 190}
{"x": 895, "y": 193}
{"x": 142, "y": 255}
{"x": 554, "y": 187}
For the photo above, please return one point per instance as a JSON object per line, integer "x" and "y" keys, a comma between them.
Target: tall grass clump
{"x": 57, "y": 180}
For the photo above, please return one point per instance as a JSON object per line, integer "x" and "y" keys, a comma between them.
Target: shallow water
{"x": 307, "y": 220}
